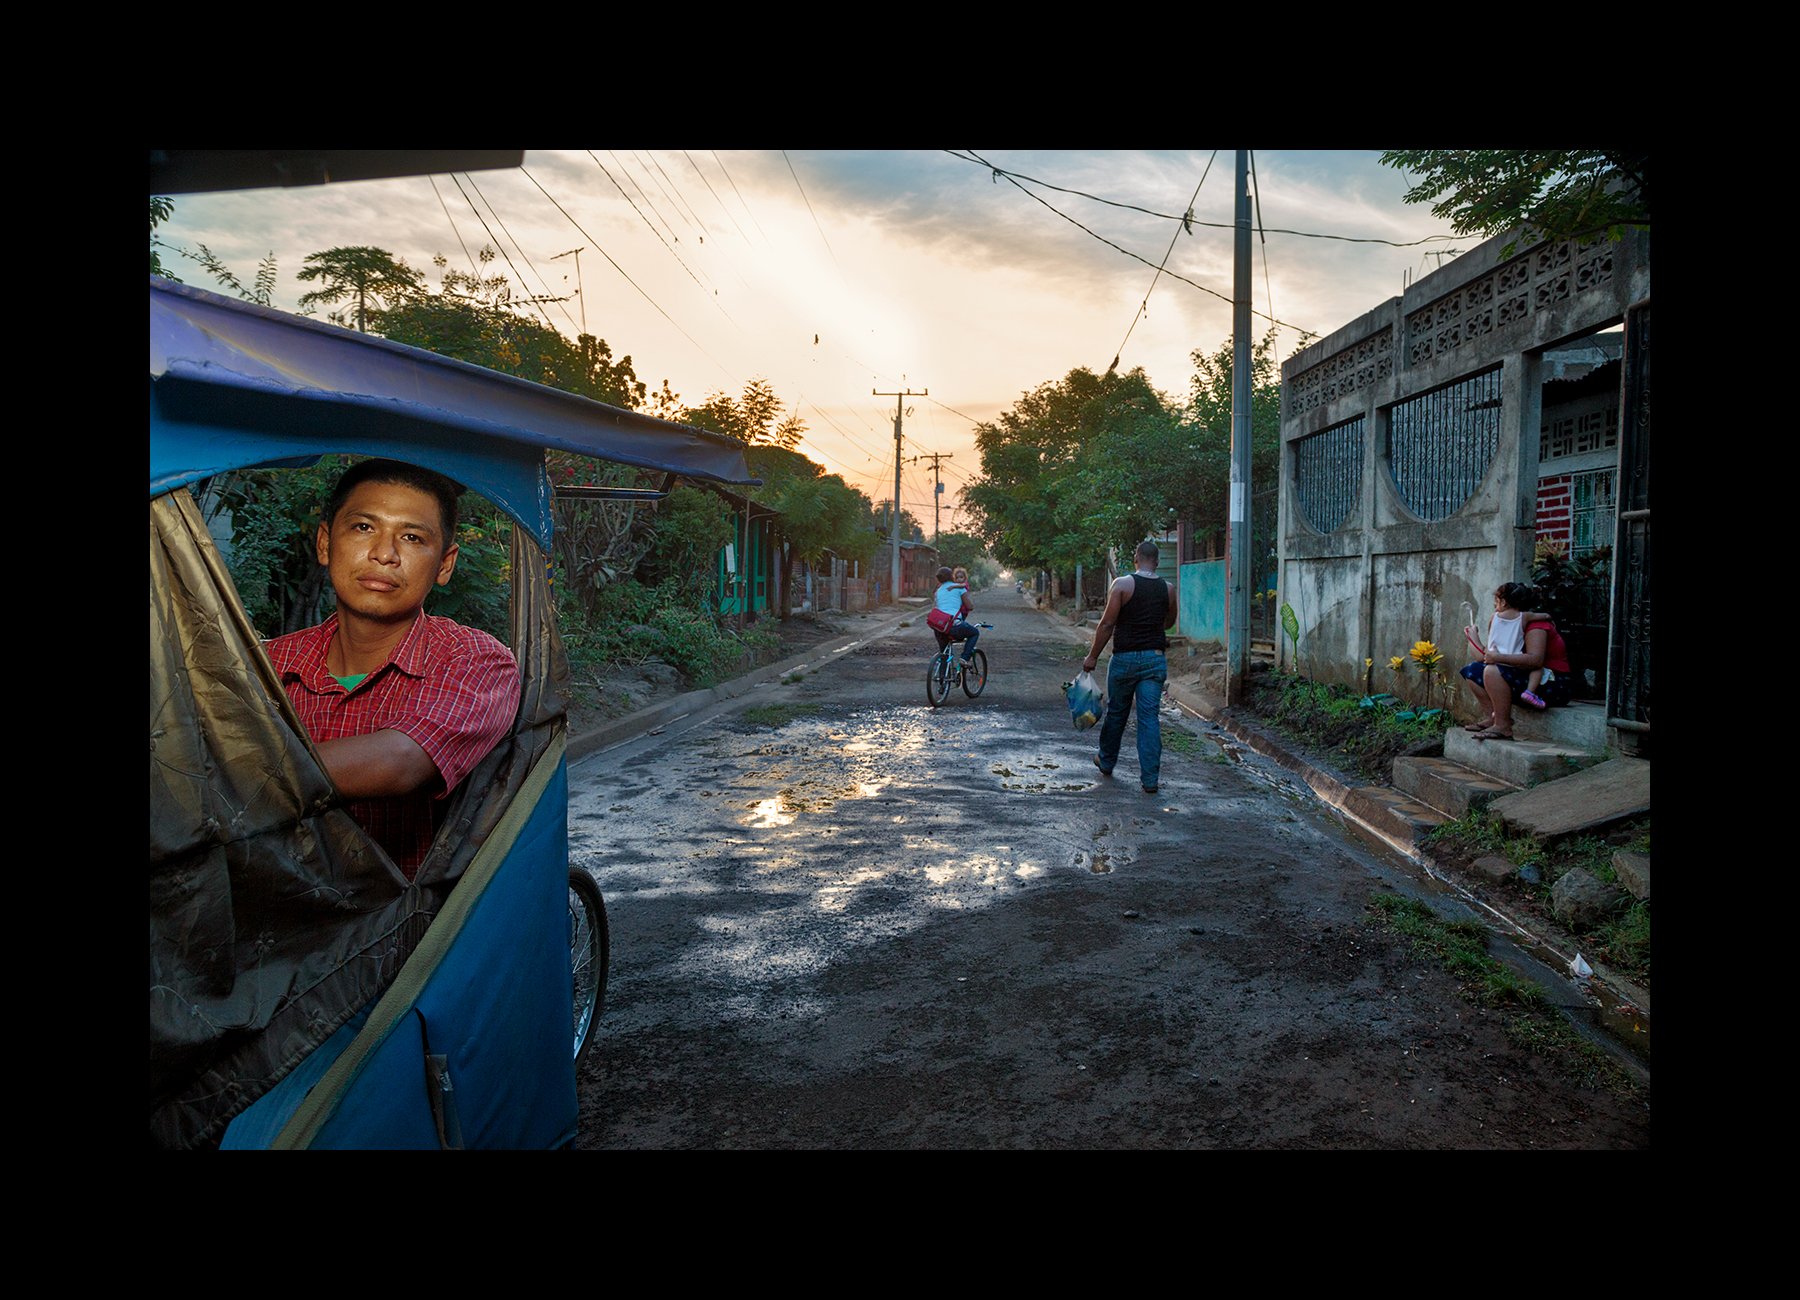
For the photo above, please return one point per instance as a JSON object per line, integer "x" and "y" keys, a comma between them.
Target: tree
{"x": 1203, "y": 488}
{"x": 359, "y": 273}
{"x": 819, "y": 512}
{"x": 1552, "y": 193}
{"x": 754, "y": 418}
{"x": 1076, "y": 466}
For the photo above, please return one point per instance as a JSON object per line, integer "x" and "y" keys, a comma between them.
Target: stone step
{"x": 1400, "y": 815}
{"x": 1519, "y": 761}
{"x": 1579, "y": 726}
{"x": 1449, "y": 787}
{"x": 1591, "y": 800}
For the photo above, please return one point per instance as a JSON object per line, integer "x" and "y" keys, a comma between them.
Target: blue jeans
{"x": 1135, "y": 675}
{"x": 961, "y": 631}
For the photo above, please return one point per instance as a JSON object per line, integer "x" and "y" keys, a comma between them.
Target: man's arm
{"x": 1115, "y": 601}
{"x": 1169, "y": 616}
{"x": 377, "y": 766}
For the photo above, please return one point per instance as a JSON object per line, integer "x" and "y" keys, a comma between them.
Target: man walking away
{"x": 1141, "y": 608}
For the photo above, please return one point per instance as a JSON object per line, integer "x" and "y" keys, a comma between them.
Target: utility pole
{"x": 1237, "y": 612}
{"x": 576, "y": 254}
{"x": 894, "y": 528}
{"x": 937, "y": 477}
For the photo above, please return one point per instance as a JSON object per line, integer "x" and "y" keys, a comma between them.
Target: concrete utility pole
{"x": 576, "y": 254}
{"x": 1237, "y": 609}
{"x": 937, "y": 478}
{"x": 894, "y": 528}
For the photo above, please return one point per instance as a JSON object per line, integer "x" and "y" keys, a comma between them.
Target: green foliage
{"x": 755, "y": 418}
{"x": 1205, "y": 487}
{"x": 479, "y": 593}
{"x": 358, "y": 273}
{"x": 161, "y": 209}
{"x": 274, "y": 518}
{"x": 689, "y": 529}
{"x": 628, "y": 623}
{"x": 1077, "y": 465}
{"x": 819, "y": 511}
{"x": 776, "y": 715}
{"x": 1330, "y": 717}
{"x": 1553, "y": 193}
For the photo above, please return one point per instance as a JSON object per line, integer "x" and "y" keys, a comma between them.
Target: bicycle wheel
{"x": 590, "y": 952}
{"x": 974, "y": 676}
{"x": 937, "y": 679}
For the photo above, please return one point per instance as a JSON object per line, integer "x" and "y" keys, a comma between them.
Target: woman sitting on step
{"x": 1504, "y": 671}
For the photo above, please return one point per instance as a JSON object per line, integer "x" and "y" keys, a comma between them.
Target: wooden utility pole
{"x": 937, "y": 478}
{"x": 894, "y": 527}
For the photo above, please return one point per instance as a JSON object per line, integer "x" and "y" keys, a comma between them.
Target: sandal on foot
{"x": 1491, "y": 734}
{"x": 1483, "y": 725}
{"x": 1530, "y": 697}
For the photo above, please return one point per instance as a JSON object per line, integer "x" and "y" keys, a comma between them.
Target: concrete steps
{"x": 1475, "y": 774}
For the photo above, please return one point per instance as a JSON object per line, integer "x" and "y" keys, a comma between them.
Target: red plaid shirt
{"x": 452, "y": 689}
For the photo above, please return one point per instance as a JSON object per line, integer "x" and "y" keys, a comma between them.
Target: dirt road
{"x": 881, "y": 925}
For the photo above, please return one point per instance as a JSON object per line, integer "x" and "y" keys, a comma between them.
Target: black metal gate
{"x": 1628, "y": 684}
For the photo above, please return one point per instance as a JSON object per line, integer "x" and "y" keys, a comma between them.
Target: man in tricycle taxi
{"x": 401, "y": 704}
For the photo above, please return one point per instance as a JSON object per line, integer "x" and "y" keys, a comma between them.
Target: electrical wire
{"x": 473, "y": 267}
{"x": 501, "y": 248}
{"x": 714, "y": 296}
{"x": 542, "y": 279}
{"x": 621, "y": 270}
{"x": 814, "y": 216}
{"x": 1144, "y": 307}
{"x": 1211, "y": 225}
{"x": 740, "y": 196}
{"x": 1128, "y": 253}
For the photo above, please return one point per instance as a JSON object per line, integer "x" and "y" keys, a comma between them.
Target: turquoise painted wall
{"x": 1201, "y": 616}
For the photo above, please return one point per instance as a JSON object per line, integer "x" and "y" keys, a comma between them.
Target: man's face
{"x": 385, "y": 551}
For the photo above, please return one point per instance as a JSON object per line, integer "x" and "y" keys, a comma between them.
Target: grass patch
{"x": 791, "y": 678}
{"x": 1328, "y": 717}
{"x": 1179, "y": 741}
{"x": 776, "y": 715}
{"x": 1621, "y": 941}
{"x": 1529, "y": 1020}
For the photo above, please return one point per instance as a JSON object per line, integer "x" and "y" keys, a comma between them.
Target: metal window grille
{"x": 1595, "y": 500}
{"x": 1440, "y": 444}
{"x": 1328, "y": 474}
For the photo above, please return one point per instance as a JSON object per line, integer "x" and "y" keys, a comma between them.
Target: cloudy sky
{"x": 911, "y": 269}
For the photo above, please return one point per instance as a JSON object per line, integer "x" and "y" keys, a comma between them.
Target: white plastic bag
{"x": 1085, "y": 700}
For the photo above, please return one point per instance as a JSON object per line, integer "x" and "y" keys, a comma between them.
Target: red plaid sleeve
{"x": 461, "y": 711}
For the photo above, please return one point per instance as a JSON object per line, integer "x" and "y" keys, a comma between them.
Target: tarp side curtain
{"x": 273, "y": 918}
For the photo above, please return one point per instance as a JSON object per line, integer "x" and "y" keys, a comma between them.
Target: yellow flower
{"x": 1398, "y": 663}
{"x": 1424, "y": 652}
{"x": 1368, "y": 663}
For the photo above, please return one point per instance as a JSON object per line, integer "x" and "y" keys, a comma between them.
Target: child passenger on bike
{"x": 949, "y": 605}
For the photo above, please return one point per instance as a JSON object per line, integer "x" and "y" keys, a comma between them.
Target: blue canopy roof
{"x": 235, "y": 385}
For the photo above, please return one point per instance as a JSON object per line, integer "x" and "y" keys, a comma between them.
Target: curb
{"x": 617, "y": 731}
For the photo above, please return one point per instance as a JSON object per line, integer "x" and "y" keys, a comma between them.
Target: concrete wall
{"x": 1385, "y": 577}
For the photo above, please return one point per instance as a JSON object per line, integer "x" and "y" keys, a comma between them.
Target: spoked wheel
{"x": 937, "y": 680}
{"x": 590, "y": 951}
{"x": 974, "y": 676}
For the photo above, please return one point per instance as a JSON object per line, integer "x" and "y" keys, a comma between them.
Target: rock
{"x": 1491, "y": 866}
{"x": 1634, "y": 872}
{"x": 644, "y": 632}
{"x": 662, "y": 674}
{"x": 1580, "y": 899}
{"x": 1530, "y": 874}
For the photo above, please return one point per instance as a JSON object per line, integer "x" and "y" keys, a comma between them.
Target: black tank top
{"x": 1141, "y": 621}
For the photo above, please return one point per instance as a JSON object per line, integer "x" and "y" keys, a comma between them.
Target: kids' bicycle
{"x": 947, "y": 669}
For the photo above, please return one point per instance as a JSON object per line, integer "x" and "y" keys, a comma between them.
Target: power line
{"x": 710, "y": 190}
{"x": 714, "y": 299}
{"x": 542, "y": 278}
{"x": 812, "y": 214}
{"x": 621, "y": 270}
{"x": 1211, "y": 225}
{"x": 740, "y": 195}
{"x": 1144, "y": 306}
{"x": 475, "y": 269}
{"x": 529, "y": 296}
{"x": 1109, "y": 243}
